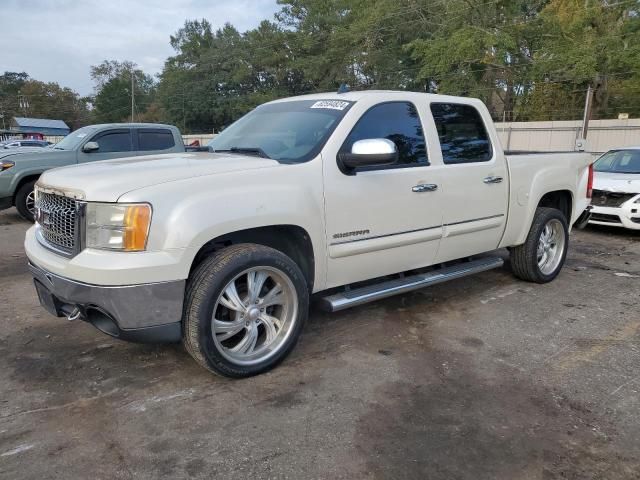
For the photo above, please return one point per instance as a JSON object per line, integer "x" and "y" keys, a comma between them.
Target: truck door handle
{"x": 493, "y": 179}
{"x": 424, "y": 187}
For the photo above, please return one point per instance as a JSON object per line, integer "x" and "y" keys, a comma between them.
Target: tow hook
{"x": 74, "y": 315}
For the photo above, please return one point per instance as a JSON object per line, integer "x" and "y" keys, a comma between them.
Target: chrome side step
{"x": 388, "y": 288}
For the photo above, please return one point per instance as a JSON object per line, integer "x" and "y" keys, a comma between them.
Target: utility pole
{"x": 132, "y": 96}
{"x": 587, "y": 112}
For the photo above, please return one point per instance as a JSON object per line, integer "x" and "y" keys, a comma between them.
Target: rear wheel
{"x": 245, "y": 309}
{"x": 25, "y": 201}
{"x": 542, "y": 256}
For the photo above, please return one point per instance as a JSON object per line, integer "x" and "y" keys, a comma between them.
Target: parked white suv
{"x": 381, "y": 192}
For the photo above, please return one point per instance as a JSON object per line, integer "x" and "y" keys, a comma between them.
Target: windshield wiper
{"x": 249, "y": 150}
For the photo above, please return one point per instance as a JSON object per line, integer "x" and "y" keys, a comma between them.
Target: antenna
{"x": 344, "y": 88}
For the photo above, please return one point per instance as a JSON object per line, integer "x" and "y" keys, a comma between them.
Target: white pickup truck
{"x": 351, "y": 196}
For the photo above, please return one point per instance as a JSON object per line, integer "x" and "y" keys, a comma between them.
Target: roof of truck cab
{"x": 354, "y": 96}
{"x": 132, "y": 125}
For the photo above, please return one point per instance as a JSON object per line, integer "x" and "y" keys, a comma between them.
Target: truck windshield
{"x": 619, "y": 161}
{"x": 292, "y": 132}
{"x": 71, "y": 141}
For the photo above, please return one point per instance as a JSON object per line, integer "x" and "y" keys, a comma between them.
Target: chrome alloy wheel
{"x": 254, "y": 315}
{"x": 551, "y": 245}
{"x": 31, "y": 203}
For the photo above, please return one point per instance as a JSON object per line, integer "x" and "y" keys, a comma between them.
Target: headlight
{"x": 118, "y": 226}
{"x": 6, "y": 165}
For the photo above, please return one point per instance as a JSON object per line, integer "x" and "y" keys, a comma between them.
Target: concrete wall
{"x": 539, "y": 136}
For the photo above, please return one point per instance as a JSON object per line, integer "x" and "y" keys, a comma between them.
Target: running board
{"x": 358, "y": 296}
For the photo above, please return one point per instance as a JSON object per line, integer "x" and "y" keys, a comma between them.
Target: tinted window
{"x": 155, "y": 140}
{"x": 114, "y": 142}
{"x": 395, "y": 121}
{"x": 463, "y": 138}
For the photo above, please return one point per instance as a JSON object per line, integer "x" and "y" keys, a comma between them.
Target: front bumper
{"x": 146, "y": 313}
{"x": 627, "y": 215}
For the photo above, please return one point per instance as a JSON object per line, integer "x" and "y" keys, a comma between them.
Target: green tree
{"x": 112, "y": 100}
{"x": 588, "y": 43}
{"x": 21, "y": 96}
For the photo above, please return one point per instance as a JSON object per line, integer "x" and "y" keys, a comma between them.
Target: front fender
{"x": 189, "y": 213}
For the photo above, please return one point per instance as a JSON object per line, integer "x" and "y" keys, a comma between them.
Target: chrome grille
{"x": 56, "y": 217}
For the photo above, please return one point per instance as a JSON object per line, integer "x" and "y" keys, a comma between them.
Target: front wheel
{"x": 25, "y": 201}
{"x": 542, "y": 255}
{"x": 244, "y": 311}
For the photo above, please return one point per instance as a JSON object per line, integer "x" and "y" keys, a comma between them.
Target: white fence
{"x": 602, "y": 135}
{"x": 539, "y": 136}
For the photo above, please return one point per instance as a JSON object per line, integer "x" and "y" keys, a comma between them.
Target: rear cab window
{"x": 462, "y": 133}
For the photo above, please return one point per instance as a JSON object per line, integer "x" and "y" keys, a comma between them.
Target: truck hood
{"x": 617, "y": 182}
{"x": 108, "y": 180}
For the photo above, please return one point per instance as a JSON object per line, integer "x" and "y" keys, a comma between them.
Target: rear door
{"x": 114, "y": 143}
{"x": 151, "y": 141}
{"x": 476, "y": 182}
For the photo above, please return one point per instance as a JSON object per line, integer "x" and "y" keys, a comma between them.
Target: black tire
{"x": 524, "y": 258}
{"x": 203, "y": 289}
{"x": 21, "y": 200}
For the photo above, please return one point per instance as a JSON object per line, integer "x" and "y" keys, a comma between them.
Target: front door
{"x": 114, "y": 143}
{"x": 386, "y": 219}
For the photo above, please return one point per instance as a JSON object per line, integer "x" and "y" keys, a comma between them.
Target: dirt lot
{"x": 486, "y": 377}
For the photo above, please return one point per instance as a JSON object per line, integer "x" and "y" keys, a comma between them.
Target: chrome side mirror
{"x": 90, "y": 147}
{"x": 370, "y": 152}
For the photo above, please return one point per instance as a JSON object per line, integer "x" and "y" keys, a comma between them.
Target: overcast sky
{"x": 57, "y": 40}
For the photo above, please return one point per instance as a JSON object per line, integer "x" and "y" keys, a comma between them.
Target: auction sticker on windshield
{"x": 331, "y": 104}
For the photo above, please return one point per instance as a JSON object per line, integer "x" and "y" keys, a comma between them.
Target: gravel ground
{"x": 484, "y": 377}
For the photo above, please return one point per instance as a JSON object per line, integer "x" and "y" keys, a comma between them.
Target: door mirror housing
{"x": 90, "y": 147}
{"x": 370, "y": 153}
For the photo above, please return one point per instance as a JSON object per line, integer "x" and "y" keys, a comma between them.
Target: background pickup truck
{"x": 20, "y": 170}
{"x": 352, "y": 197}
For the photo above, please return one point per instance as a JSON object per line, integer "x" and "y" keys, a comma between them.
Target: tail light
{"x": 590, "y": 182}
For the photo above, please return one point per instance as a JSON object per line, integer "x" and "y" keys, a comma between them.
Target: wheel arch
{"x": 25, "y": 179}
{"x": 559, "y": 199}
{"x": 292, "y": 240}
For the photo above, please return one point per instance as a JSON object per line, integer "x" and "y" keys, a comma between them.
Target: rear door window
{"x": 462, "y": 134}
{"x": 155, "y": 139}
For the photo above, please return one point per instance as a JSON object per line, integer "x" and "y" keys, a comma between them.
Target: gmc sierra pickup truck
{"x": 352, "y": 197}
{"x": 19, "y": 169}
